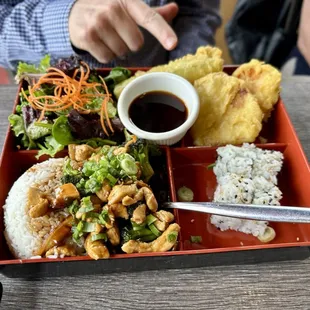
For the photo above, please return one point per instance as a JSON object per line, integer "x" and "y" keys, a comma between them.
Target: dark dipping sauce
{"x": 157, "y": 111}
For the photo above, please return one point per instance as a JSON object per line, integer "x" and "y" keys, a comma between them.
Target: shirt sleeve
{"x": 195, "y": 25}
{"x": 31, "y": 29}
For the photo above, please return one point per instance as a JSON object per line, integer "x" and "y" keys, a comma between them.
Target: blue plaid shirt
{"x": 32, "y": 28}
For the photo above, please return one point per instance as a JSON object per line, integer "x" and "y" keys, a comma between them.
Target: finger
{"x": 111, "y": 38}
{"x": 168, "y": 12}
{"x": 127, "y": 29}
{"x": 149, "y": 19}
{"x": 98, "y": 49}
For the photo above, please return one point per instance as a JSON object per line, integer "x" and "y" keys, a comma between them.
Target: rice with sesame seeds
{"x": 247, "y": 175}
{"x": 24, "y": 234}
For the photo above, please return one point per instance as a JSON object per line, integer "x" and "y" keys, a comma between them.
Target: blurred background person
{"x": 105, "y": 32}
{"x": 263, "y": 29}
{"x": 298, "y": 62}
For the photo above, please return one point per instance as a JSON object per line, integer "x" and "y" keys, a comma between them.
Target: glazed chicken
{"x": 163, "y": 243}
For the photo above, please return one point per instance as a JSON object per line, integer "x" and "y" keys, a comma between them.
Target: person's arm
{"x": 304, "y": 31}
{"x": 195, "y": 25}
{"x": 33, "y": 28}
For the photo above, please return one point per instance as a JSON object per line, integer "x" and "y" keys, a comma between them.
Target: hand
{"x": 109, "y": 28}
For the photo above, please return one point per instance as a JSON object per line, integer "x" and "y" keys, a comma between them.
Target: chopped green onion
{"x": 136, "y": 226}
{"x": 93, "y": 215}
{"x": 185, "y": 194}
{"x": 76, "y": 233}
{"x": 101, "y": 236}
{"x": 172, "y": 237}
{"x": 210, "y": 166}
{"x": 150, "y": 219}
{"x": 87, "y": 205}
{"x": 89, "y": 227}
{"x": 86, "y": 209}
{"x": 80, "y": 226}
{"x": 129, "y": 166}
{"x": 196, "y": 239}
{"x": 73, "y": 207}
{"x": 111, "y": 179}
{"x": 86, "y": 201}
{"x": 104, "y": 217}
{"x": 154, "y": 230}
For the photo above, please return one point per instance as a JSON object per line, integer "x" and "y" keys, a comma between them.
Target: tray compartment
{"x": 189, "y": 168}
{"x": 15, "y": 163}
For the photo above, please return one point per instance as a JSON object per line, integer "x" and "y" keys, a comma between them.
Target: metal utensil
{"x": 246, "y": 211}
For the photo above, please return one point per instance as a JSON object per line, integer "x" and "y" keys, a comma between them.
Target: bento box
{"x": 182, "y": 165}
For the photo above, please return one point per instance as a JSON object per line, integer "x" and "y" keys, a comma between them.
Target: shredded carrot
{"x": 106, "y": 104}
{"x": 75, "y": 92}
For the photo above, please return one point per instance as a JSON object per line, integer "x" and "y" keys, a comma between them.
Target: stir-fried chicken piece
{"x": 164, "y": 219}
{"x": 114, "y": 235}
{"x": 119, "y": 210}
{"x": 140, "y": 184}
{"x": 96, "y": 249}
{"x": 163, "y": 243}
{"x": 139, "y": 214}
{"x": 120, "y": 191}
{"x": 165, "y": 216}
{"x": 95, "y": 200}
{"x": 65, "y": 250}
{"x": 98, "y": 228}
{"x": 37, "y": 203}
{"x": 104, "y": 192}
{"x": 150, "y": 199}
{"x": 65, "y": 195}
{"x": 80, "y": 152}
{"x": 128, "y": 201}
{"x": 145, "y": 193}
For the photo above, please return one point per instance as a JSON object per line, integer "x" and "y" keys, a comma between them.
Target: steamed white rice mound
{"x": 24, "y": 234}
{"x": 246, "y": 175}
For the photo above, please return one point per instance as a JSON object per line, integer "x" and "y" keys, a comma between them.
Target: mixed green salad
{"x": 42, "y": 122}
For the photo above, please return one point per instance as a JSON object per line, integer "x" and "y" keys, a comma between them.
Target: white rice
{"x": 24, "y": 234}
{"x": 246, "y": 175}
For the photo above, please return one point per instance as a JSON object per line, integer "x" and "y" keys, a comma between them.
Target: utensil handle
{"x": 253, "y": 212}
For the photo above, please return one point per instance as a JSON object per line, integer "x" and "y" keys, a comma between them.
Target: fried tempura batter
{"x": 229, "y": 113}
{"x": 191, "y": 67}
{"x": 263, "y": 81}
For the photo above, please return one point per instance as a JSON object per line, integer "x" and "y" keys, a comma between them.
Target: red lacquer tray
{"x": 186, "y": 166}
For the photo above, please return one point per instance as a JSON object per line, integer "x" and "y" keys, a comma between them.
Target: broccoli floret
{"x": 140, "y": 151}
{"x": 67, "y": 178}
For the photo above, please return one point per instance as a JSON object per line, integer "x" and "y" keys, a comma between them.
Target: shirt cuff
{"x": 56, "y": 29}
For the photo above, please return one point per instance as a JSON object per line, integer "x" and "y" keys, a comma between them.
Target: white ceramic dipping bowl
{"x": 166, "y": 82}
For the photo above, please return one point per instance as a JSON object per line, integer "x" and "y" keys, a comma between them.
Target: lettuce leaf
{"x": 18, "y": 127}
{"x": 116, "y": 76}
{"x": 24, "y": 68}
{"x": 51, "y": 147}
